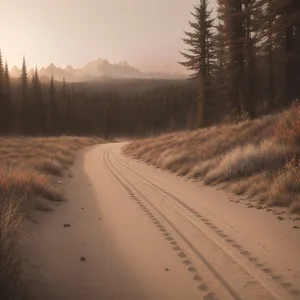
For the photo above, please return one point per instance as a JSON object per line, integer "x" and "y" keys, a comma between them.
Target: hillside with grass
{"x": 30, "y": 169}
{"x": 258, "y": 158}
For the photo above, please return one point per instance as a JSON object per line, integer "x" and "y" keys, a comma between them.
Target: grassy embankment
{"x": 259, "y": 158}
{"x": 28, "y": 180}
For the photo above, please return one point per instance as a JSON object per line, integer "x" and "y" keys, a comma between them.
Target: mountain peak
{"x": 94, "y": 70}
{"x": 15, "y": 72}
{"x": 69, "y": 68}
{"x": 51, "y": 66}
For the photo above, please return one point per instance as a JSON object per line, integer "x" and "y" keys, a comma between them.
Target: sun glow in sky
{"x": 145, "y": 33}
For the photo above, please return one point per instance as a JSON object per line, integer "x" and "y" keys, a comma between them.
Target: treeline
{"x": 105, "y": 108}
{"x": 246, "y": 59}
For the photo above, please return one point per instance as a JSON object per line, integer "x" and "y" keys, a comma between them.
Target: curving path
{"x": 137, "y": 232}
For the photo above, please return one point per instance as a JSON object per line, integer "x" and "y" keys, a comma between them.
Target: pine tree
{"x": 53, "y": 107}
{"x": 284, "y": 33}
{"x": 70, "y": 95}
{"x": 265, "y": 24}
{"x": 200, "y": 58}
{"x": 222, "y": 61}
{"x": 9, "y": 110}
{"x": 24, "y": 79}
{"x": 38, "y": 105}
{"x": 2, "y": 100}
{"x": 64, "y": 106}
{"x": 64, "y": 88}
{"x": 236, "y": 35}
{"x": 289, "y": 11}
{"x": 250, "y": 44}
{"x": 7, "y": 85}
{"x": 233, "y": 29}
{"x": 1, "y": 76}
{"x": 24, "y": 115}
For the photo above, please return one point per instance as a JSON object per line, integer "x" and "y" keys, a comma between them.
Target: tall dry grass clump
{"x": 260, "y": 158}
{"x": 28, "y": 179}
{"x": 285, "y": 187}
{"x": 10, "y": 260}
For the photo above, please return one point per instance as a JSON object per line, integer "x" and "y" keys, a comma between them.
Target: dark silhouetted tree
{"x": 25, "y": 106}
{"x": 38, "y": 107}
{"x": 2, "y": 109}
{"x": 263, "y": 23}
{"x": 200, "y": 57}
{"x": 8, "y": 109}
{"x": 7, "y": 85}
{"x": 289, "y": 14}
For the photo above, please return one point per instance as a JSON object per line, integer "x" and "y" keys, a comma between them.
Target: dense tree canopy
{"x": 255, "y": 48}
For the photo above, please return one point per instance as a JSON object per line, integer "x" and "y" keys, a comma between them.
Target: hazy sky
{"x": 145, "y": 33}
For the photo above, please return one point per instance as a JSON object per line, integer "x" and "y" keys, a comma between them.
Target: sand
{"x": 137, "y": 232}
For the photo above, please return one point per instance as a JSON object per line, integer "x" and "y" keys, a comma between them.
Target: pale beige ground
{"x": 148, "y": 234}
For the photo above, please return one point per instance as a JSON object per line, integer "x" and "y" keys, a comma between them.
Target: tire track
{"x": 276, "y": 289}
{"x": 137, "y": 196}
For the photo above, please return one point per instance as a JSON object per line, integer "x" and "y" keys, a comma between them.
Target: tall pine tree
{"x": 38, "y": 105}
{"x": 25, "y": 107}
{"x": 289, "y": 11}
{"x": 7, "y": 101}
{"x": 222, "y": 62}
{"x": 268, "y": 42}
{"x": 200, "y": 57}
{"x": 54, "y": 113}
{"x": 2, "y": 100}
{"x": 7, "y": 85}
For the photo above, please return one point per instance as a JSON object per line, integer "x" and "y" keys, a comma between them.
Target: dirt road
{"x": 137, "y": 232}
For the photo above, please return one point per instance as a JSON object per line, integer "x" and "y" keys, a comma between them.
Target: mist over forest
{"x": 94, "y": 70}
{"x": 243, "y": 58}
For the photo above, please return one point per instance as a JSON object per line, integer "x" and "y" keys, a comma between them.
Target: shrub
{"x": 288, "y": 126}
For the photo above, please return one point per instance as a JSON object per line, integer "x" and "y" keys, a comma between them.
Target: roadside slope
{"x": 259, "y": 158}
{"x": 29, "y": 172}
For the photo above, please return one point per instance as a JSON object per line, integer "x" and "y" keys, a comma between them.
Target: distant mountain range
{"x": 95, "y": 70}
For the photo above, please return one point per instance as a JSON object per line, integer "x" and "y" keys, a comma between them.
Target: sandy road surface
{"x": 148, "y": 234}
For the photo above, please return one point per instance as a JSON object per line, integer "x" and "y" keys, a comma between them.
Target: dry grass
{"x": 244, "y": 161}
{"x": 10, "y": 261}
{"x": 28, "y": 171}
{"x": 258, "y": 158}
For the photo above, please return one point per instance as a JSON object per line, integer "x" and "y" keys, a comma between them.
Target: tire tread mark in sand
{"x": 158, "y": 224}
{"x": 212, "y": 270}
{"x": 260, "y": 266}
{"x": 183, "y": 204}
